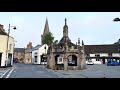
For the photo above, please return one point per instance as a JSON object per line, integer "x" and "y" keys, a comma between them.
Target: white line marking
{"x": 4, "y": 73}
{"x": 59, "y": 76}
{"x": 52, "y": 72}
{"x": 9, "y": 73}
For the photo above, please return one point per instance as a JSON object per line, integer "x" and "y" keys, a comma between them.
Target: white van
{"x": 90, "y": 62}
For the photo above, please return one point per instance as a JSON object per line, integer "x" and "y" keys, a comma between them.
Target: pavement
{"x": 92, "y": 71}
{"x": 39, "y": 71}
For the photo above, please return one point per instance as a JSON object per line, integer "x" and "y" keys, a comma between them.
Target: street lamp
{"x": 116, "y": 19}
{"x": 14, "y": 27}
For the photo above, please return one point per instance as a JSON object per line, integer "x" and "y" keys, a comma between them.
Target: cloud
{"x": 92, "y": 27}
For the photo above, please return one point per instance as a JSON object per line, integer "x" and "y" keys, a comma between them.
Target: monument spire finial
{"x": 65, "y": 21}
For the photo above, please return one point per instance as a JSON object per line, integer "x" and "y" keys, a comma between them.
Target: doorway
{"x": 72, "y": 60}
{"x": 103, "y": 61}
{"x": 9, "y": 59}
{"x": 0, "y": 58}
{"x": 43, "y": 59}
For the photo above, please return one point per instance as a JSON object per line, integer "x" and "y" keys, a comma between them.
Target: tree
{"x": 48, "y": 38}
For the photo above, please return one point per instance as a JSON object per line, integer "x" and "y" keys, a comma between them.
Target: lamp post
{"x": 14, "y": 27}
{"x": 116, "y": 19}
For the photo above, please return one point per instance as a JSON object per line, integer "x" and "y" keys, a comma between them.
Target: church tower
{"x": 46, "y": 31}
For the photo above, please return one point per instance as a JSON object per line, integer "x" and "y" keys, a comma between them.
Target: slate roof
{"x": 37, "y": 47}
{"x": 22, "y": 50}
{"x": 32, "y": 49}
{"x": 62, "y": 41}
{"x": 2, "y": 32}
{"x": 110, "y": 48}
{"x": 28, "y": 50}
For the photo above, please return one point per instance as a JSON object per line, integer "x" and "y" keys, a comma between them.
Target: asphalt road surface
{"x": 30, "y": 71}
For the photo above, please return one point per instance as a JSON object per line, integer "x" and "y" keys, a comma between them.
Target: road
{"x": 37, "y": 71}
{"x": 93, "y": 71}
{"x": 29, "y": 71}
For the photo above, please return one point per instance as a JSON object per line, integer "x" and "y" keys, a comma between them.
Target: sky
{"x": 92, "y": 27}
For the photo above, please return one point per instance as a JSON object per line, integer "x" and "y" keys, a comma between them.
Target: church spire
{"x": 46, "y": 28}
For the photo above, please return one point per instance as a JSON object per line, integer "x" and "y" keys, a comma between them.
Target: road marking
{"x": 59, "y": 76}
{"x": 9, "y": 73}
{"x": 52, "y": 72}
{"x": 55, "y": 73}
{"x": 4, "y": 73}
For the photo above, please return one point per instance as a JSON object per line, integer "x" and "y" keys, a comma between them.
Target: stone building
{"x": 100, "y": 54}
{"x": 24, "y": 54}
{"x": 28, "y": 54}
{"x": 70, "y": 55}
{"x": 6, "y": 48}
{"x": 46, "y": 30}
{"x": 2, "y": 30}
{"x": 19, "y": 54}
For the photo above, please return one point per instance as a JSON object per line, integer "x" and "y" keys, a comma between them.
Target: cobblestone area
{"x": 92, "y": 71}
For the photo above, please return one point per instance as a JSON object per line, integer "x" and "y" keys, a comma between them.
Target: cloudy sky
{"x": 92, "y": 27}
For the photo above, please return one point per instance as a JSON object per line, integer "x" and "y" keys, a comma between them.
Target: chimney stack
{"x": 29, "y": 46}
{"x": 2, "y": 27}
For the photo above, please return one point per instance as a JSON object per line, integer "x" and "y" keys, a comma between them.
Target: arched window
{"x": 72, "y": 60}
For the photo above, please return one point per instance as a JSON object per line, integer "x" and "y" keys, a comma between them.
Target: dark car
{"x": 15, "y": 60}
{"x": 112, "y": 63}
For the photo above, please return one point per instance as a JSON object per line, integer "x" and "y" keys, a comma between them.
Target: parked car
{"x": 112, "y": 63}
{"x": 15, "y": 60}
{"x": 90, "y": 63}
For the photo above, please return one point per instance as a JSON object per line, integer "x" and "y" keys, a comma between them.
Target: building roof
{"x": 2, "y": 32}
{"x": 28, "y": 50}
{"x": 110, "y": 48}
{"x": 62, "y": 41}
{"x": 32, "y": 49}
{"x": 36, "y": 47}
{"x": 22, "y": 50}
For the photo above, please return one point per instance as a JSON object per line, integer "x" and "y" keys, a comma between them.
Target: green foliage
{"x": 48, "y": 39}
